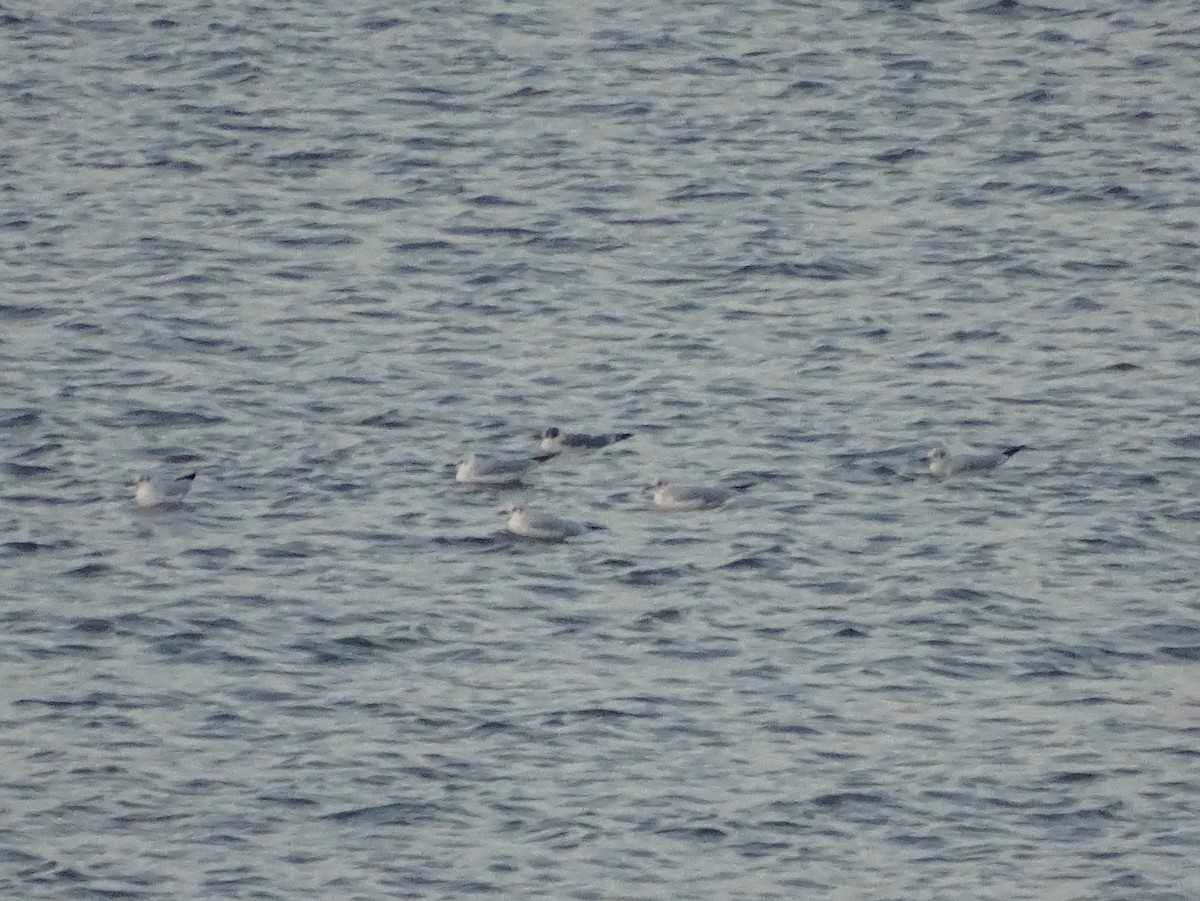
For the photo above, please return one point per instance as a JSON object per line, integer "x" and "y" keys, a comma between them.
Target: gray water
{"x": 314, "y": 252}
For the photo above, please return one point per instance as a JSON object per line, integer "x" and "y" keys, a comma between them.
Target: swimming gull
{"x": 543, "y": 526}
{"x": 477, "y": 470}
{"x": 669, "y": 495}
{"x": 943, "y": 464}
{"x": 556, "y": 440}
{"x": 159, "y": 490}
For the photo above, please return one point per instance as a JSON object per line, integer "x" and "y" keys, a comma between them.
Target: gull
{"x": 543, "y": 526}
{"x": 477, "y": 470}
{"x": 943, "y": 464}
{"x": 158, "y": 490}
{"x": 671, "y": 496}
{"x": 555, "y": 440}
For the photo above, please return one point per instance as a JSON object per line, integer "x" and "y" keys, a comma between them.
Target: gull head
{"x": 660, "y": 482}
{"x": 552, "y": 432}
{"x": 936, "y": 451}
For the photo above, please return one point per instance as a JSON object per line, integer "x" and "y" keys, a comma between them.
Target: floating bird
{"x": 668, "y": 495}
{"x": 543, "y": 526}
{"x": 158, "y": 490}
{"x": 477, "y": 470}
{"x": 943, "y": 464}
{"x": 555, "y": 440}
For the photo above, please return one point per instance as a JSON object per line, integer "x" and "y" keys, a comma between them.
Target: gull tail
{"x": 190, "y": 477}
{"x": 1009, "y": 451}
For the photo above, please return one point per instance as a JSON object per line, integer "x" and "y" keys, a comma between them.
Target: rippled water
{"x": 316, "y": 252}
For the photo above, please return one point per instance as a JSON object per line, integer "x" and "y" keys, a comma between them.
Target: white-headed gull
{"x": 943, "y": 464}
{"x": 158, "y": 490}
{"x": 556, "y": 440}
{"x": 478, "y": 470}
{"x": 543, "y": 526}
{"x": 669, "y": 495}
